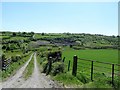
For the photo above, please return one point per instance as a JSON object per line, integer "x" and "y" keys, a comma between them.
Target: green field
{"x": 18, "y": 38}
{"x": 103, "y": 55}
{"x": 101, "y": 72}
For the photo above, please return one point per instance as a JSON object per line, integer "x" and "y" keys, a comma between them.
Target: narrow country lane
{"x": 38, "y": 80}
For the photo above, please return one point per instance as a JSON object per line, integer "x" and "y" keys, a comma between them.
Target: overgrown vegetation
{"x": 57, "y": 65}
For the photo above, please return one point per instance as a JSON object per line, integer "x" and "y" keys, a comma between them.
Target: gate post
{"x": 74, "y": 71}
{"x": 113, "y": 74}
{"x": 63, "y": 59}
{"x": 91, "y": 70}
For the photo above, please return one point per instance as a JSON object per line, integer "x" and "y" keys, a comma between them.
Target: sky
{"x": 60, "y": 17}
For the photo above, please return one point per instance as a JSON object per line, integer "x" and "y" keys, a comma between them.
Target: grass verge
{"x": 29, "y": 69}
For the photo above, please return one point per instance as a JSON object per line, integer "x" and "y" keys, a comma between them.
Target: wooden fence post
{"x": 74, "y": 71}
{"x": 49, "y": 65}
{"x": 69, "y": 65}
{"x": 91, "y": 70}
{"x": 113, "y": 74}
{"x": 63, "y": 59}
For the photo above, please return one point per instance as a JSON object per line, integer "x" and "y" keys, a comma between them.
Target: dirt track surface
{"x": 37, "y": 80}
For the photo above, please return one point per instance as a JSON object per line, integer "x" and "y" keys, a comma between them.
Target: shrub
{"x": 57, "y": 67}
{"x": 3, "y": 57}
{"x": 18, "y": 57}
{"x": 43, "y": 59}
{"x": 13, "y": 58}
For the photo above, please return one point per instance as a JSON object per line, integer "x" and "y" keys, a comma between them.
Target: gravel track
{"x": 37, "y": 80}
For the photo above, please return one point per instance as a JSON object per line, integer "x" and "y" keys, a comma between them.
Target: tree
{"x": 14, "y": 34}
{"x": 3, "y": 47}
{"x": 71, "y": 46}
{"x": 43, "y": 34}
{"x": 32, "y": 33}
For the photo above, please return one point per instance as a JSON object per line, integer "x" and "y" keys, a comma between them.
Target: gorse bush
{"x": 15, "y": 58}
{"x": 57, "y": 68}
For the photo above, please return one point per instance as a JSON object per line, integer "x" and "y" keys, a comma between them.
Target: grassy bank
{"x": 13, "y": 67}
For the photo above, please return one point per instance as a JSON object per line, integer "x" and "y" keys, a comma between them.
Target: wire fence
{"x": 93, "y": 67}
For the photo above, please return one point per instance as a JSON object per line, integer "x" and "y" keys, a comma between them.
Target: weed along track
{"x": 36, "y": 80}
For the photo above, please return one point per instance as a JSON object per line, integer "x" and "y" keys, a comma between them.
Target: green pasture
{"x": 13, "y": 38}
{"x": 39, "y": 36}
{"x": 18, "y": 38}
{"x": 4, "y": 37}
{"x": 102, "y": 55}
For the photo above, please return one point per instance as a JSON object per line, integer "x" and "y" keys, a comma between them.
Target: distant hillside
{"x": 95, "y": 41}
{"x": 83, "y": 40}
